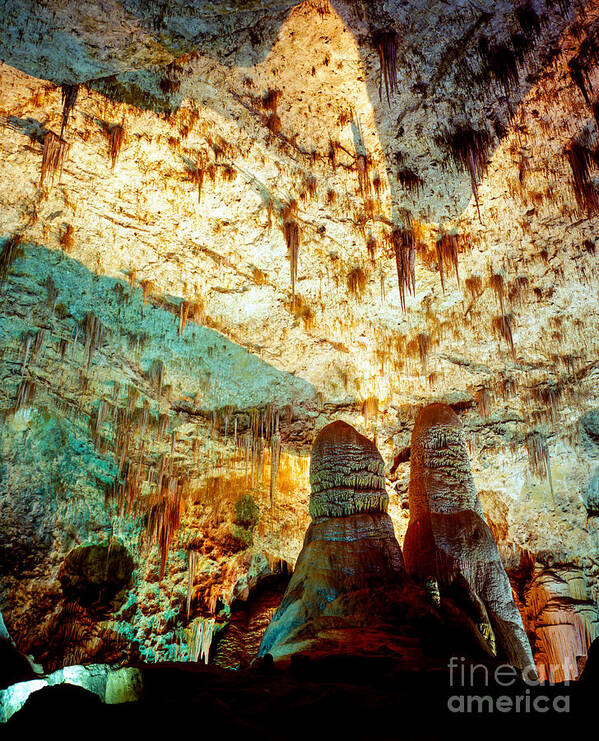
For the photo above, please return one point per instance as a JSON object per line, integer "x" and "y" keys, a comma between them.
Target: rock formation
{"x": 448, "y": 543}
{"x": 349, "y": 593}
{"x": 14, "y": 666}
{"x": 350, "y": 550}
{"x": 563, "y": 619}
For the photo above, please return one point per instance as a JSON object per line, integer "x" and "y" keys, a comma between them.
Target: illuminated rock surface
{"x": 112, "y": 686}
{"x": 237, "y": 241}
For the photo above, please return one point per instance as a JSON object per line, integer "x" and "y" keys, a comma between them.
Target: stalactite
{"x": 67, "y": 238}
{"x": 549, "y": 395}
{"x": 192, "y": 567}
{"x": 580, "y": 77}
{"x": 497, "y": 283}
{"x": 96, "y": 423}
{"x": 528, "y": 19}
{"x": 371, "y": 245}
{"x": 322, "y": 7}
{"x": 584, "y": 61}
{"x": 424, "y": 346}
{"x": 405, "y": 261}
{"x": 25, "y": 394}
{"x": 291, "y": 230}
{"x": 468, "y": 149}
{"x": 410, "y": 181}
{"x": 356, "y": 281}
{"x": 503, "y": 65}
{"x": 506, "y": 386}
{"x": 311, "y": 186}
{"x": 474, "y": 286}
{"x": 363, "y": 167}
{"x": 275, "y": 460}
{"x": 447, "y": 255}
{"x": 538, "y": 457}
{"x": 273, "y": 124}
{"x": 377, "y": 184}
{"x": 370, "y": 408}
{"x": 53, "y": 154}
{"x": 63, "y": 346}
{"x": 31, "y": 344}
{"x": 132, "y": 399}
{"x": 183, "y": 314}
{"x": 270, "y": 99}
{"x": 69, "y": 98}
{"x": 94, "y": 332}
{"x": 198, "y": 177}
{"x": 201, "y": 639}
{"x": 116, "y": 137}
{"x": 502, "y": 325}
{"x": 334, "y": 147}
{"x": 147, "y": 286}
{"x": 386, "y": 44}
{"x": 11, "y": 251}
{"x": 166, "y": 510}
{"x": 579, "y": 158}
{"x": 517, "y": 289}
{"x": 163, "y": 423}
{"x": 483, "y": 401}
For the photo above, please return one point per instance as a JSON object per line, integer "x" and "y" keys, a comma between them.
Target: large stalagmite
{"x": 350, "y": 552}
{"x": 448, "y": 540}
{"x": 349, "y": 593}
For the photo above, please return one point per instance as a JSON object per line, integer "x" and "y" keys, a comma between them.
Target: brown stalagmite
{"x": 349, "y": 552}
{"x": 448, "y": 540}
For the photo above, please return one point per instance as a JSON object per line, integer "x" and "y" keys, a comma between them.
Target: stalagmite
{"x": 349, "y": 549}
{"x": 448, "y": 540}
{"x": 349, "y": 586}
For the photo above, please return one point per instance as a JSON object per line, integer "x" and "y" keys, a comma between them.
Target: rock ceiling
{"x": 338, "y": 209}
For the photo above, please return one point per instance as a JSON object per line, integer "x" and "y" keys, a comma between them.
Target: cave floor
{"x": 340, "y": 698}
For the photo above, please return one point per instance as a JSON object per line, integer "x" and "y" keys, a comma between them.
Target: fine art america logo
{"x": 469, "y": 681}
